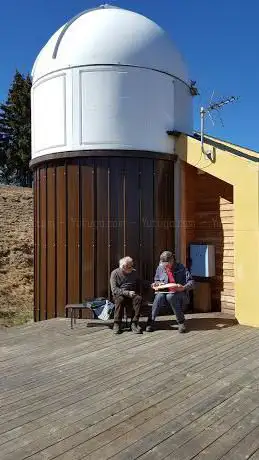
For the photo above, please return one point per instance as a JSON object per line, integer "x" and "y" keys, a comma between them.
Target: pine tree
{"x": 15, "y": 133}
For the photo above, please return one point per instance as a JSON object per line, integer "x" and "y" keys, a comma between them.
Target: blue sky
{"x": 219, "y": 40}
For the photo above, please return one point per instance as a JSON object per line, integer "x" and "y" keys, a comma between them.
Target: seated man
{"x": 175, "y": 281}
{"x": 124, "y": 286}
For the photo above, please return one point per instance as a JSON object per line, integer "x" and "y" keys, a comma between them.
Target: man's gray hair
{"x": 125, "y": 261}
{"x": 166, "y": 257}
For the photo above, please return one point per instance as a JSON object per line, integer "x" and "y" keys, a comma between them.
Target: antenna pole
{"x": 202, "y": 112}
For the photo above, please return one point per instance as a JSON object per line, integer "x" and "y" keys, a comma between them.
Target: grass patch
{"x": 16, "y": 256}
{"x": 9, "y": 318}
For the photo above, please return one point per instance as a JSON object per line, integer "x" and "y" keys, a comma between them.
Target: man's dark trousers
{"x": 132, "y": 304}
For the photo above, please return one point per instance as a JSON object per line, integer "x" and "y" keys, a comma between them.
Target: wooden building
{"x": 112, "y": 179}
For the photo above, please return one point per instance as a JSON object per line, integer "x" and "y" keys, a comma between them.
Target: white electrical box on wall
{"x": 202, "y": 260}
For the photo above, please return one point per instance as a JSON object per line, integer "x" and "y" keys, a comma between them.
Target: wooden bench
{"x": 74, "y": 309}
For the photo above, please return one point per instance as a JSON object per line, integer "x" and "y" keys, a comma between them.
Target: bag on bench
{"x": 103, "y": 309}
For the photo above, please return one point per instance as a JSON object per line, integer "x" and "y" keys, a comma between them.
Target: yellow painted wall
{"x": 243, "y": 174}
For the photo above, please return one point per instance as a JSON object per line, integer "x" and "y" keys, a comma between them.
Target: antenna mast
{"x": 206, "y": 110}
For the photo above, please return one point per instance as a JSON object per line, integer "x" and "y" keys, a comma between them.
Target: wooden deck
{"x": 86, "y": 394}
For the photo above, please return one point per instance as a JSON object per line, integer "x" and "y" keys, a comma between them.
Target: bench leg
{"x": 71, "y": 316}
{"x": 125, "y": 317}
{"x": 75, "y": 314}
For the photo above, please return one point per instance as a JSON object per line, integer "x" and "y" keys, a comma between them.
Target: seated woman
{"x": 172, "y": 283}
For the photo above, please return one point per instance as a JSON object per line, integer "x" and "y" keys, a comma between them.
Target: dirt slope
{"x": 16, "y": 254}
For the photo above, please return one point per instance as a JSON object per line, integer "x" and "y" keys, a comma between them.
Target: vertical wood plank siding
{"x": 87, "y": 227}
{"x": 37, "y": 247}
{"x": 61, "y": 232}
{"x": 90, "y": 212}
{"x": 51, "y": 242}
{"x": 42, "y": 247}
{"x": 73, "y": 226}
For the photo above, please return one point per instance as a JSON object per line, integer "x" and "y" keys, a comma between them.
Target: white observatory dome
{"x": 109, "y": 79}
{"x": 110, "y": 35}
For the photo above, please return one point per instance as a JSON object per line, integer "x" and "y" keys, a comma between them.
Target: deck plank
{"x": 245, "y": 448}
{"x": 171, "y": 446}
{"x": 255, "y": 456}
{"x": 76, "y": 453}
{"x": 87, "y": 394}
{"x": 21, "y": 408}
{"x": 56, "y": 383}
{"x": 232, "y": 436}
{"x": 64, "y": 362}
{"x": 161, "y": 426}
{"x": 180, "y": 352}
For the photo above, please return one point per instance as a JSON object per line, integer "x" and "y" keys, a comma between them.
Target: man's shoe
{"x": 136, "y": 328}
{"x": 150, "y": 326}
{"x": 182, "y": 328}
{"x": 116, "y": 328}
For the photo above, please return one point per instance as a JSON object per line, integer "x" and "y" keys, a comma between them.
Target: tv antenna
{"x": 207, "y": 111}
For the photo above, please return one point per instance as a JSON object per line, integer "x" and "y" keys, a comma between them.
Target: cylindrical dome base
{"x": 90, "y": 212}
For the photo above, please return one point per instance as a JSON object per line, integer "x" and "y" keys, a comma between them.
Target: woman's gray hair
{"x": 125, "y": 261}
{"x": 166, "y": 257}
